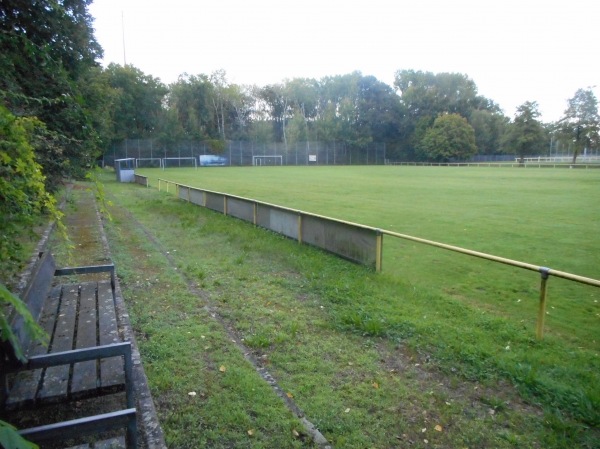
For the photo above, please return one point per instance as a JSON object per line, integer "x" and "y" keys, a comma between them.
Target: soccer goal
{"x": 267, "y": 160}
{"x": 169, "y": 162}
{"x": 149, "y": 162}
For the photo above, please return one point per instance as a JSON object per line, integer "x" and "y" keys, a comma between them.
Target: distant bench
{"x": 86, "y": 357}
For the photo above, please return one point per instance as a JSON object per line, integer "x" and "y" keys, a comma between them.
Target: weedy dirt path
{"x": 316, "y": 436}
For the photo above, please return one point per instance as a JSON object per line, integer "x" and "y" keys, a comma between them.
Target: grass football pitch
{"x": 546, "y": 217}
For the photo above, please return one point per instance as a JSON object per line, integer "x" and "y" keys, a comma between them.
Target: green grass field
{"x": 373, "y": 359}
{"x": 542, "y": 216}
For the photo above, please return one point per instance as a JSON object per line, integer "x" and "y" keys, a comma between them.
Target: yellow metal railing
{"x": 544, "y": 271}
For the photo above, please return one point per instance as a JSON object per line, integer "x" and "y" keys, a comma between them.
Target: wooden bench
{"x": 86, "y": 356}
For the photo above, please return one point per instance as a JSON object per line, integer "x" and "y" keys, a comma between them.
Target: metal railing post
{"x": 378, "y": 251}
{"x": 539, "y": 331}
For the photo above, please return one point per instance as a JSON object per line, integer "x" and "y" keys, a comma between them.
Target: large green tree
{"x": 48, "y": 47}
{"x": 525, "y": 135}
{"x": 490, "y": 127}
{"x": 581, "y": 123}
{"x": 211, "y": 108}
{"x": 426, "y": 95}
{"x": 275, "y": 105}
{"x": 191, "y": 99}
{"x": 138, "y": 102}
{"x": 450, "y": 138}
{"x": 379, "y": 110}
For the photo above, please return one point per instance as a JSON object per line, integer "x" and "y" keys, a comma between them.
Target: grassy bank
{"x": 372, "y": 359}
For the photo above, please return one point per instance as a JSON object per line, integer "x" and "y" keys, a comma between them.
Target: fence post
{"x": 224, "y": 204}
{"x": 544, "y": 272}
{"x": 255, "y": 213}
{"x": 299, "y": 227}
{"x": 378, "y": 251}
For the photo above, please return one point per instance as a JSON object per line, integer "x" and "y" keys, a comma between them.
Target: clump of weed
{"x": 257, "y": 341}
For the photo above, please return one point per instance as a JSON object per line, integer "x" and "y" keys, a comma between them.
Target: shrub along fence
{"x": 358, "y": 243}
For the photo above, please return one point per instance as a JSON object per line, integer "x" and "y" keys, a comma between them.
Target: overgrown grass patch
{"x": 373, "y": 360}
{"x": 193, "y": 367}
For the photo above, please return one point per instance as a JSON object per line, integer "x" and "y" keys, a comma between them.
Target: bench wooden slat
{"x": 111, "y": 370}
{"x": 56, "y": 379}
{"x": 85, "y": 374}
{"x": 27, "y": 382}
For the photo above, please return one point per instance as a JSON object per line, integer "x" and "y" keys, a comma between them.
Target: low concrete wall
{"x": 142, "y": 180}
{"x": 349, "y": 240}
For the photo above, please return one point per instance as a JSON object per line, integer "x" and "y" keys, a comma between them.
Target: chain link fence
{"x": 240, "y": 153}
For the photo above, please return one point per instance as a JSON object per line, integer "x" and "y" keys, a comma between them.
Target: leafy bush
{"x": 10, "y": 438}
{"x": 23, "y": 196}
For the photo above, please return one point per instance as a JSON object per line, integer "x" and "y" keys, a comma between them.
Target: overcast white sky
{"x": 514, "y": 50}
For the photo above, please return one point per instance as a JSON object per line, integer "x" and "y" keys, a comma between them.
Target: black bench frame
{"x": 34, "y": 297}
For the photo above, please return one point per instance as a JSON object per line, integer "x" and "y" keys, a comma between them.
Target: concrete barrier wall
{"x": 142, "y": 180}
{"x": 348, "y": 240}
{"x": 282, "y": 221}
{"x": 184, "y": 193}
{"x": 197, "y": 197}
{"x": 240, "y": 208}
{"x": 214, "y": 201}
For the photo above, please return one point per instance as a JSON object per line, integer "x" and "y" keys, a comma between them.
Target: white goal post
{"x": 148, "y": 162}
{"x": 267, "y": 160}
{"x": 193, "y": 163}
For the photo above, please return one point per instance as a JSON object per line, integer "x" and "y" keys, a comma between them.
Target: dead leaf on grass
{"x": 222, "y": 368}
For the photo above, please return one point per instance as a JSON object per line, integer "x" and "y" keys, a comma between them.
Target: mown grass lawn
{"x": 374, "y": 360}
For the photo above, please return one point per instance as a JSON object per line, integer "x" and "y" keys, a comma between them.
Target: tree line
{"x": 49, "y": 70}
{"x": 423, "y": 117}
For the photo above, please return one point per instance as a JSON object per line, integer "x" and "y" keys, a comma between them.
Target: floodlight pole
{"x": 123, "y": 32}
